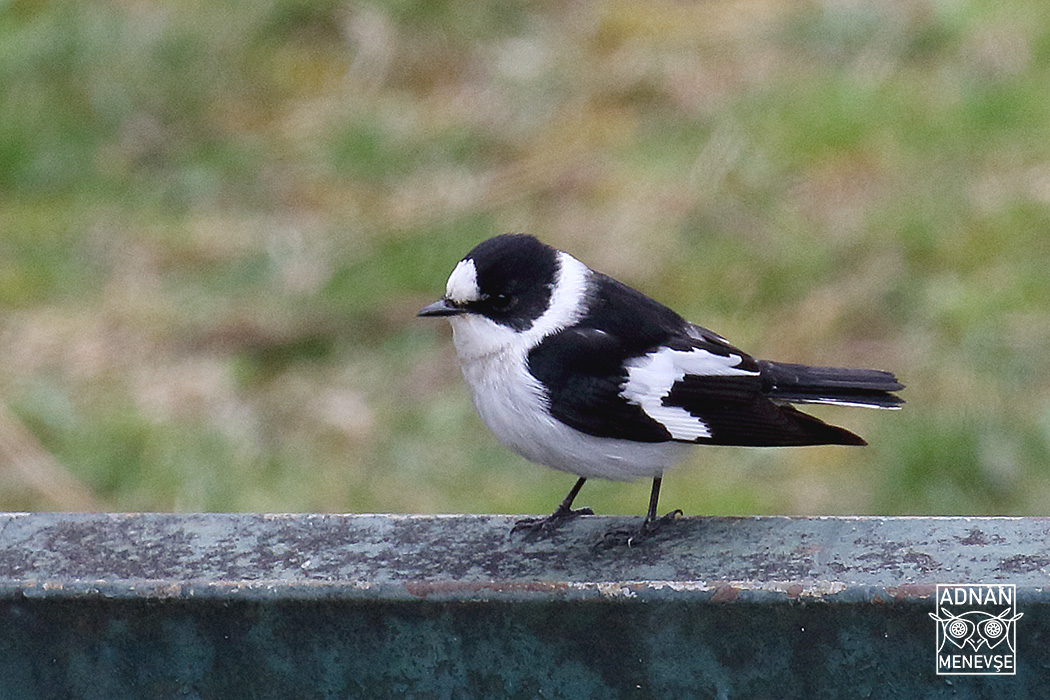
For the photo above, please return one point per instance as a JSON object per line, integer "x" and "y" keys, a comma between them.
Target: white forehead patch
{"x": 462, "y": 285}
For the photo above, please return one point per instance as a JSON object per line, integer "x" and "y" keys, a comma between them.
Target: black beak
{"x": 442, "y": 307}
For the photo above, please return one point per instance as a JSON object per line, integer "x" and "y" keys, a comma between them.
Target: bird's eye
{"x": 501, "y": 302}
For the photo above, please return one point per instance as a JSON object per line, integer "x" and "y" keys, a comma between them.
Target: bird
{"x": 571, "y": 369}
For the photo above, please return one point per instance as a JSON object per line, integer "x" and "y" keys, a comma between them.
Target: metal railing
{"x": 377, "y": 606}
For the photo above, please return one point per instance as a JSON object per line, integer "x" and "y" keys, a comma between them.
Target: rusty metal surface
{"x": 467, "y": 557}
{"x": 325, "y": 606}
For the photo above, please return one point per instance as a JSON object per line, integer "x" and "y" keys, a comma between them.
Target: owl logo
{"x": 976, "y": 629}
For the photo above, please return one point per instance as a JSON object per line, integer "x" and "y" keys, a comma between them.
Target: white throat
{"x": 477, "y": 337}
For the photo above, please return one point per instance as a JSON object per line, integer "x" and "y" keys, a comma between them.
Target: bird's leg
{"x": 653, "y": 523}
{"x": 564, "y": 512}
{"x": 649, "y": 527}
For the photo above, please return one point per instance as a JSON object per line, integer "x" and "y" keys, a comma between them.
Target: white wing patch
{"x": 651, "y": 377}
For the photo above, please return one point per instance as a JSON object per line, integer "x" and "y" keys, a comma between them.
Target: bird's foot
{"x": 545, "y": 527}
{"x": 625, "y": 537}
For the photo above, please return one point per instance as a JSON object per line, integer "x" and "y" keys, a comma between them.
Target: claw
{"x": 544, "y": 527}
{"x": 650, "y": 527}
{"x": 629, "y": 538}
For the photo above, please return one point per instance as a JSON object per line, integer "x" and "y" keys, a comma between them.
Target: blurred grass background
{"x": 217, "y": 221}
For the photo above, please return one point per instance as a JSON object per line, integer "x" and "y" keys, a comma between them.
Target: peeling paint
{"x": 616, "y": 590}
{"x": 725, "y": 594}
{"x": 473, "y": 558}
{"x": 739, "y": 607}
{"x": 912, "y": 591}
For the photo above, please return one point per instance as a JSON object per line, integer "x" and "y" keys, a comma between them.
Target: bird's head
{"x": 511, "y": 290}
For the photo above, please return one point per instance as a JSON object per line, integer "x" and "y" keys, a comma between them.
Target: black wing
{"x": 583, "y": 373}
{"x": 738, "y": 412}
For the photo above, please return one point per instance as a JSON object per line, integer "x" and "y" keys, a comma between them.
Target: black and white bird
{"x": 574, "y": 370}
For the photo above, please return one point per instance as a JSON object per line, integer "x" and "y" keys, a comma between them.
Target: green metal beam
{"x": 378, "y": 606}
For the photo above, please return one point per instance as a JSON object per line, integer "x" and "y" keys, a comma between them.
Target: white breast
{"x": 513, "y": 405}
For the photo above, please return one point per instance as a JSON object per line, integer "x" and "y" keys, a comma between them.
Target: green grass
{"x": 217, "y": 222}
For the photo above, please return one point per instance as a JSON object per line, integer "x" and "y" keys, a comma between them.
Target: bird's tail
{"x": 789, "y": 383}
